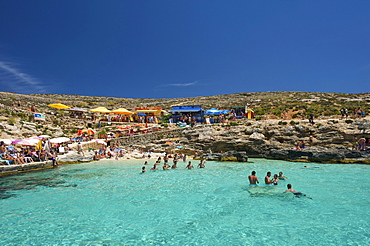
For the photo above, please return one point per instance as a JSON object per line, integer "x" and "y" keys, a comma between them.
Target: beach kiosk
{"x": 149, "y": 114}
{"x": 187, "y": 114}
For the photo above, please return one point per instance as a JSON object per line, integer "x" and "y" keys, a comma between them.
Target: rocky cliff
{"x": 332, "y": 140}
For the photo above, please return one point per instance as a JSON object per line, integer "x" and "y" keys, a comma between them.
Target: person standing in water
{"x": 202, "y": 163}
{"x": 268, "y": 181}
{"x": 189, "y": 166}
{"x": 253, "y": 180}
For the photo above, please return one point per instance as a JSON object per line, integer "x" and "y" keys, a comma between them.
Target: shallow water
{"x": 111, "y": 203}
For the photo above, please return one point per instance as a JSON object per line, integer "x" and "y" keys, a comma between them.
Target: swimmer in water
{"x": 154, "y": 167}
{"x": 296, "y": 193}
{"x": 275, "y": 180}
{"x": 143, "y": 170}
{"x": 189, "y": 166}
{"x": 289, "y": 186}
{"x": 165, "y": 166}
{"x": 268, "y": 181}
{"x": 253, "y": 180}
{"x": 281, "y": 176}
{"x": 201, "y": 164}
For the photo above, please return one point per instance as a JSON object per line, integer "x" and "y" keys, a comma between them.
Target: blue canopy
{"x": 186, "y": 110}
{"x": 141, "y": 114}
{"x": 212, "y": 111}
{"x": 225, "y": 111}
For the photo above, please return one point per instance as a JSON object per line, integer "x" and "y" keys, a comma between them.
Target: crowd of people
{"x": 175, "y": 159}
{"x": 9, "y": 155}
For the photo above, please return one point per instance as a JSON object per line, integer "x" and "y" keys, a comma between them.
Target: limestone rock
{"x": 257, "y": 136}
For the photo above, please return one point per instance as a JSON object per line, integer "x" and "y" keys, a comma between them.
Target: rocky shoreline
{"x": 333, "y": 141}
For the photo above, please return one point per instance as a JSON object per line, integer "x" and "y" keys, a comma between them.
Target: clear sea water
{"x": 111, "y": 203}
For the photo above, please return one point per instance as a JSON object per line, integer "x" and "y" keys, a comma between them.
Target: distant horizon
{"x": 176, "y": 49}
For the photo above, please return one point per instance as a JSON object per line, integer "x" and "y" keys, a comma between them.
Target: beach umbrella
{"x": 225, "y": 111}
{"x": 28, "y": 142}
{"x": 122, "y": 111}
{"x": 100, "y": 141}
{"x": 212, "y": 111}
{"x": 59, "y": 140}
{"x": 77, "y": 109}
{"x": 44, "y": 136}
{"x": 87, "y": 131}
{"x": 58, "y": 106}
{"x": 100, "y": 110}
{"x": 39, "y": 145}
{"x": 6, "y": 141}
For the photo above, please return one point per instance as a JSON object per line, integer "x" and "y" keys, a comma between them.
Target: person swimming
{"x": 143, "y": 170}
{"x": 296, "y": 193}
{"x": 281, "y": 176}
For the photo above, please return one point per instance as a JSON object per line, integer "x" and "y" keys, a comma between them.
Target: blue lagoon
{"x": 111, "y": 203}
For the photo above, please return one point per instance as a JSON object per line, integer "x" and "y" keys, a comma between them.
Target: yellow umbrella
{"x": 121, "y": 111}
{"x": 39, "y": 145}
{"x": 100, "y": 110}
{"x": 58, "y": 106}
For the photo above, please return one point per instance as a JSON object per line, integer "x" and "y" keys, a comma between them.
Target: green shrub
{"x": 348, "y": 121}
{"x": 233, "y": 123}
{"x": 11, "y": 121}
{"x": 74, "y": 130}
{"x": 293, "y": 122}
{"x": 282, "y": 123}
{"x": 258, "y": 118}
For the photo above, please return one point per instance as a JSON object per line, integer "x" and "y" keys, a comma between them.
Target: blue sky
{"x": 166, "y": 49}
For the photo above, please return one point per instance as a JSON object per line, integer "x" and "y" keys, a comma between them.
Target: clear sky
{"x": 170, "y": 48}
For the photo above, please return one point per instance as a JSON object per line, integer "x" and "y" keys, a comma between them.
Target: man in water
{"x": 296, "y": 193}
{"x": 268, "y": 181}
{"x": 253, "y": 180}
{"x": 289, "y": 186}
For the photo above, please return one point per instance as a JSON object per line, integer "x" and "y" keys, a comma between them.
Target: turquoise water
{"x": 111, "y": 203}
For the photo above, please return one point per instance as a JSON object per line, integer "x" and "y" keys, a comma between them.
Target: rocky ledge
{"x": 321, "y": 154}
{"x": 239, "y": 156}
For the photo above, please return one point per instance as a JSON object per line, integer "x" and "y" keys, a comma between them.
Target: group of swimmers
{"x": 253, "y": 181}
{"x": 166, "y": 166}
